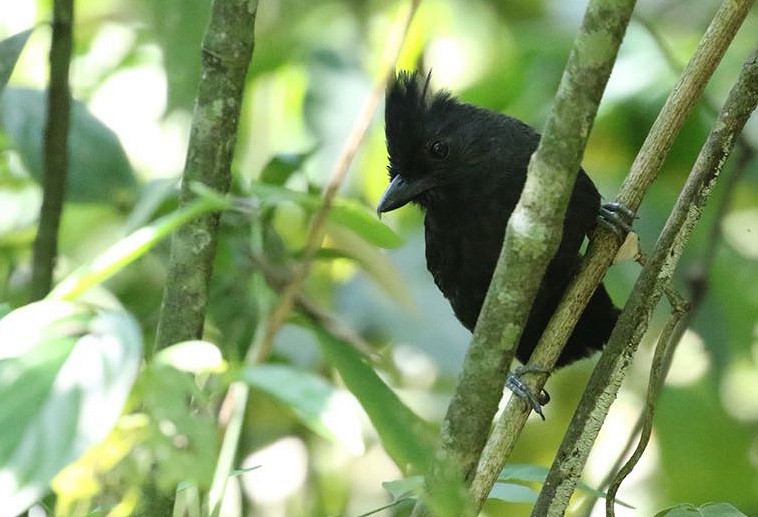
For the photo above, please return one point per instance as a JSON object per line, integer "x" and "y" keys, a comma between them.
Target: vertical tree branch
{"x": 532, "y": 236}
{"x": 56, "y": 150}
{"x": 606, "y": 378}
{"x": 226, "y": 52}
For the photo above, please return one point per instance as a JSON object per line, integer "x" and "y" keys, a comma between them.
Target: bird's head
{"x": 433, "y": 141}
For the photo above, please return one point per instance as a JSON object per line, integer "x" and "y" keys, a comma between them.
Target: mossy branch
{"x": 226, "y": 52}
{"x": 532, "y": 236}
{"x": 608, "y": 374}
{"x": 56, "y": 150}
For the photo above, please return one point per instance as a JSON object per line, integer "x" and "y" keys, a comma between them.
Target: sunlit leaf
{"x": 19, "y": 214}
{"x": 83, "y": 479}
{"x": 364, "y": 222}
{"x": 99, "y": 170}
{"x": 192, "y": 356}
{"x": 707, "y": 510}
{"x": 404, "y": 435}
{"x": 10, "y": 49}
{"x": 65, "y": 372}
{"x": 328, "y": 411}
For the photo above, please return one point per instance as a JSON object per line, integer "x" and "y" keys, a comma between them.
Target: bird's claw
{"x": 517, "y": 386}
{"x": 617, "y": 218}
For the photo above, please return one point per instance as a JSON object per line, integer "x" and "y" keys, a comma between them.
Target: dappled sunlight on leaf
{"x": 275, "y": 472}
{"x": 65, "y": 373}
{"x": 193, "y": 357}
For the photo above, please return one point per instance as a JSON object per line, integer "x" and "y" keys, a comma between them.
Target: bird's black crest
{"x": 407, "y": 106}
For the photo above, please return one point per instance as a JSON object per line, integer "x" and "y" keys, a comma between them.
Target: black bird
{"x": 465, "y": 166}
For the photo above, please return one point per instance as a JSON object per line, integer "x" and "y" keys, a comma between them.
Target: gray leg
{"x": 617, "y": 218}
{"x": 514, "y": 383}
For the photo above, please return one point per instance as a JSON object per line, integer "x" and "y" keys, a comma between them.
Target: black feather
{"x": 468, "y": 197}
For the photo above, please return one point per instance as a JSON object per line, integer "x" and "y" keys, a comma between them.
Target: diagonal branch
{"x": 315, "y": 235}
{"x": 606, "y": 378}
{"x": 697, "y": 279}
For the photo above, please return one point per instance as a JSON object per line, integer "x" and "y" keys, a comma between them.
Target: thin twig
{"x": 666, "y": 343}
{"x": 56, "y": 150}
{"x": 277, "y": 278}
{"x": 315, "y": 234}
{"x": 237, "y": 395}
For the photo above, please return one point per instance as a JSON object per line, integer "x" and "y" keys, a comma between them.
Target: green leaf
{"x": 65, "y": 372}
{"x": 177, "y": 409}
{"x": 326, "y": 410}
{"x": 364, "y": 222}
{"x": 537, "y": 474}
{"x": 523, "y": 472}
{"x": 156, "y": 197}
{"x": 279, "y": 169}
{"x": 99, "y": 170}
{"x": 130, "y": 248}
{"x": 345, "y": 212}
{"x": 513, "y": 493}
{"x": 402, "y": 491}
{"x": 707, "y": 510}
{"x": 10, "y": 49}
{"x": 399, "y": 488}
{"x": 406, "y": 438}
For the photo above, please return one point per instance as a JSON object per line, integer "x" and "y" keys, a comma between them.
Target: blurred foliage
{"x": 135, "y": 71}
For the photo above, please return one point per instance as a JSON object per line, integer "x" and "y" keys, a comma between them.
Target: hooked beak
{"x": 400, "y": 192}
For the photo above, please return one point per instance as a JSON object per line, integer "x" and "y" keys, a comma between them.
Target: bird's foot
{"x": 617, "y": 218}
{"x": 514, "y": 383}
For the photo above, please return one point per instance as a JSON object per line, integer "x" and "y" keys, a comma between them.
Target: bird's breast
{"x": 461, "y": 253}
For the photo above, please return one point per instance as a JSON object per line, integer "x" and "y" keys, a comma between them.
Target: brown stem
{"x": 56, "y": 150}
{"x": 315, "y": 236}
{"x": 278, "y": 278}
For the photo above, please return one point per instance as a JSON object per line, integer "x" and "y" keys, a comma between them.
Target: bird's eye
{"x": 439, "y": 150}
